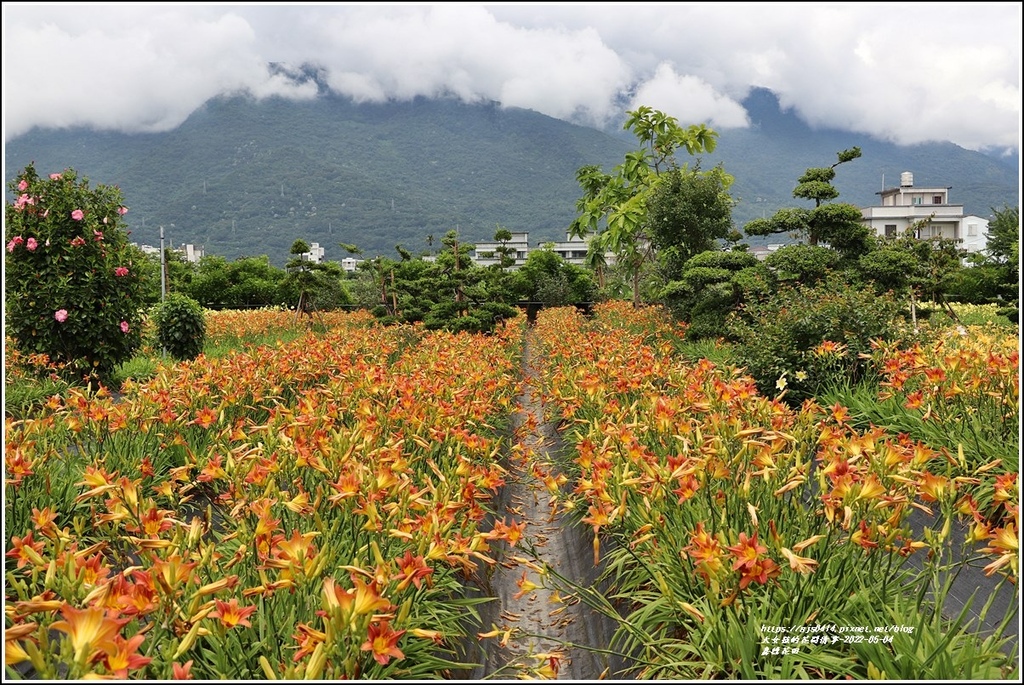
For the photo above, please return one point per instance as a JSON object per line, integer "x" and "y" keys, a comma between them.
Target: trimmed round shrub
{"x": 180, "y": 326}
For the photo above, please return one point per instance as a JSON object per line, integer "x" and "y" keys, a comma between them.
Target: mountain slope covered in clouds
{"x": 242, "y": 177}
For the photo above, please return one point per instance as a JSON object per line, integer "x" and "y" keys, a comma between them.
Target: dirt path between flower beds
{"x": 554, "y": 635}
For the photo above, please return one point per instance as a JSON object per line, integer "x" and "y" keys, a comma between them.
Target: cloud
{"x": 901, "y": 73}
{"x": 689, "y": 99}
{"x": 143, "y": 75}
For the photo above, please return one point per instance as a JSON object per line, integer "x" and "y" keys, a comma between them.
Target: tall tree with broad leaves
{"x": 615, "y": 206}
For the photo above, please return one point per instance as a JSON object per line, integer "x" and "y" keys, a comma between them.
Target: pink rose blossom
{"x": 31, "y": 244}
{"x": 61, "y": 315}
{"x": 54, "y": 177}
{"x": 78, "y": 215}
{"x": 98, "y": 235}
{"x": 15, "y": 241}
{"x": 22, "y": 185}
{"x": 78, "y": 241}
{"x": 121, "y": 271}
{"x": 24, "y": 199}
{"x": 124, "y": 327}
{"x": 122, "y": 210}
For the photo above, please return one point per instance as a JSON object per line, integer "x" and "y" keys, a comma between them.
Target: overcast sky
{"x": 902, "y": 72}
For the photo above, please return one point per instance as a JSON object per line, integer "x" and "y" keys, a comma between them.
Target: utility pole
{"x": 163, "y": 267}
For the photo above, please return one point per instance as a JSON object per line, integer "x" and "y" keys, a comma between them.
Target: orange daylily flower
{"x": 411, "y": 570}
{"x": 205, "y": 418}
{"x": 382, "y": 640}
{"x": 746, "y": 550}
{"x": 308, "y": 638}
{"x": 125, "y": 656}
{"x": 91, "y": 630}
{"x": 182, "y": 671}
{"x": 14, "y": 653}
{"x": 759, "y": 570}
{"x": 26, "y": 550}
{"x": 231, "y": 615}
{"x": 525, "y": 587}
{"x": 934, "y": 488}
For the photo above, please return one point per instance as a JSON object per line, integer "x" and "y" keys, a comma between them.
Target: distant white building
{"x": 350, "y": 263}
{"x": 908, "y": 205}
{"x": 572, "y": 250}
{"x": 191, "y": 253}
{"x": 315, "y": 254}
{"x": 485, "y": 254}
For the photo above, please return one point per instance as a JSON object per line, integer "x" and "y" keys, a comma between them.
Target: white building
{"x": 350, "y": 263}
{"x": 908, "y": 205}
{"x": 191, "y": 253}
{"x": 315, "y": 254}
{"x": 485, "y": 254}
{"x": 572, "y": 250}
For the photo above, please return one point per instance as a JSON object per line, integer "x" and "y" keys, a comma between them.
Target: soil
{"x": 552, "y": 633}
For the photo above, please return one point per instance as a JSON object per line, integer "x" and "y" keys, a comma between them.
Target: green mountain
{"x": 243, "y": 177}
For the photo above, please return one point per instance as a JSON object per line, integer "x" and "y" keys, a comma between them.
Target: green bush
{"x": 812, "y": 336}
{"x": 74, "y": 291}
{"x": 180, "y": 326}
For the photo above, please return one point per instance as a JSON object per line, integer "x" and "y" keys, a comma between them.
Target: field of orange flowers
{"x": 321, "y": 508}
{"x": 314, "y": 509}
{"x": 745, "y": 538}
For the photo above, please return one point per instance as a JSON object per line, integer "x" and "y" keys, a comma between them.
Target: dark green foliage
{"x": 837, "y": 225}
{"x": 310, "y": 285}
{"x": 688, "y": 213}
{"x": 74, "y": 286}
{"x": 180, "y": 326}
{"x": 547, "y": 278}
{"x": 244, "y": 282}
{"x": 712, "y": 285}
{"x": 1004, "y": 249}
{"x": 1004, "y": 235}
{"x": 779, "y": 336}
{"x": 449, "y": 292}
{"x": 890, "y": 267}
{"x": 806, "y": 264}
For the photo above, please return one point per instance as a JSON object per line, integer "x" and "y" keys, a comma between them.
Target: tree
{"x": 244, "y": 282}
{"x": 75, "y": 290}
{"x": 547, "y": 278}
{"x": 836, "y": 224}
{"x": 713, "y": 284}
{"x": 506, "y": 254}
{"x": 318, "y": 284}
{"x": 615, "y": 206}
{"x": 1003, "y": 245}
{"x": 688, "y": 213}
